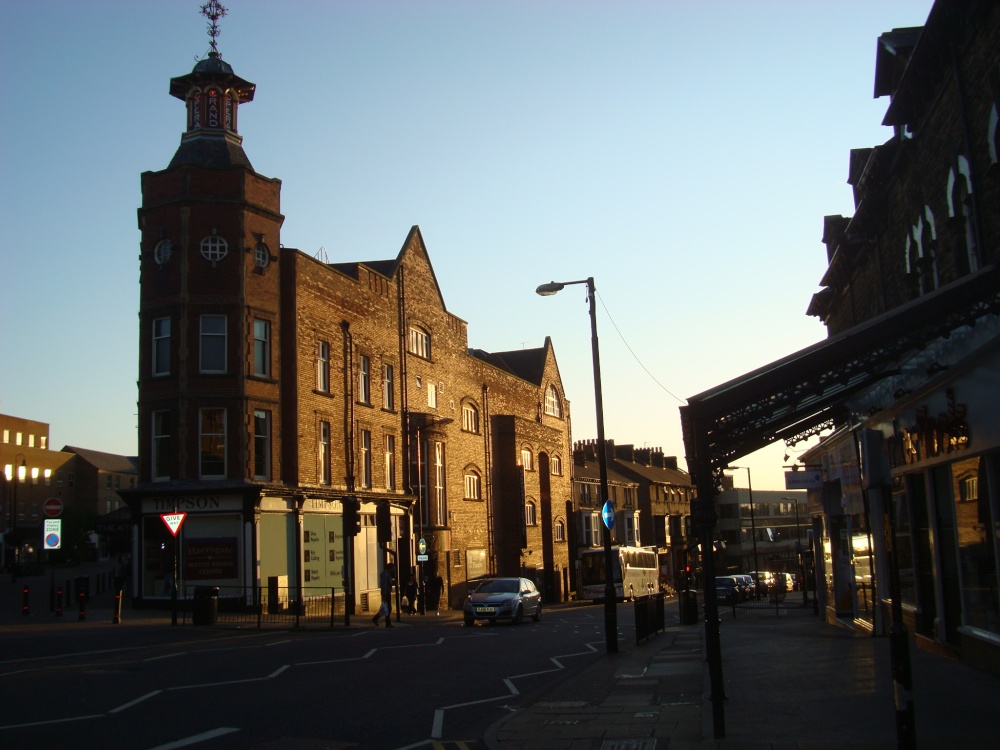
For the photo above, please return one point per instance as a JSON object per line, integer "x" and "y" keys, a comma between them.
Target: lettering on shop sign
{"x": 204, "y": 502}
{"x": 930, "y": 437}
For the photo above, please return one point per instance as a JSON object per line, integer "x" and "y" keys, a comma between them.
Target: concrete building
{"x": 279, "y": 391}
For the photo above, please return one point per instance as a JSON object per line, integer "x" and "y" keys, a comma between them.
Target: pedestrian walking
{"x": 385, "y": 582}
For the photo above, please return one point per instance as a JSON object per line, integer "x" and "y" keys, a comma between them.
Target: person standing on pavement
{"x": 411, "y": 592}
{"x": 385, "y": 581}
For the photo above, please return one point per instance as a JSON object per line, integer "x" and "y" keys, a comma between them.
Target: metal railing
{"x": 317, "y": 607}
{"x": 649, "y": 618}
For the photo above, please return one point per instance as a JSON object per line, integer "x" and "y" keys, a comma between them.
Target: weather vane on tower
{"x": 213, "y": 10}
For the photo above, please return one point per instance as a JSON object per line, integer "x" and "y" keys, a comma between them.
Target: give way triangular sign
{"x": 173, "y": 521}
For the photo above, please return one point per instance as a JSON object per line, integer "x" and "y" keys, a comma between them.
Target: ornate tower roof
{"x": 213, "y": 93}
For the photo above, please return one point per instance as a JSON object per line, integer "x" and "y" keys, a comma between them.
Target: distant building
{"x": 84, "y": 481}
{"x": 652, "y": 500}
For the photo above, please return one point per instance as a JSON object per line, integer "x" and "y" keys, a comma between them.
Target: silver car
{"x": 503, "y": 599}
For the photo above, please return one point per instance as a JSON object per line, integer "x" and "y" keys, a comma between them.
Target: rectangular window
{"x": 439, "y": 495}
{"x": 527, "y": 459}
{"x": 261, "y": 348}
{"x": 213, "y": 343}
{"x": 324, "y": 452}
{"x": 390, "y": 462}
{"x": 161, "y": 346}
{"x": 162, "y": 454}
{"x": 323, "y": 367}
{"x": 555, "y": 465}
{"x": 388, "y": 394}
{"x": 261, "y": 444}
{"x": 6, "y": 436}
{"x": 365, "y": 459}
{"x": 432, "y": 395}
{"x": 420, "y": 343}
{"x": 365, "y": 380}
{"x": 213, "y": 444}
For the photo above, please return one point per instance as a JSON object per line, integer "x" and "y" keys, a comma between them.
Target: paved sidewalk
{"x": 792, "y": 682}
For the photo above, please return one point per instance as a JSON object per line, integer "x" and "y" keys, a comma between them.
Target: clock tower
{"x": 209, "y": 314}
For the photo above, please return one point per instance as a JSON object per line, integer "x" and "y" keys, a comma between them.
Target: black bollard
{"x": 117, "y": 616}
{"x": 25, "y": 609}
{"x": 59, "y": 601}
{"x": 80, "y": 599}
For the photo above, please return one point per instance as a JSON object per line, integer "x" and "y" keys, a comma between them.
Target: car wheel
{"x": 469, "y": 622}
{"x": 538, "y": 614}
{"x": 518, "y": 615}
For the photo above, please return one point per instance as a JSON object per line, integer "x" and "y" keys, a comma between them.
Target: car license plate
{"x": 486, "y": 610}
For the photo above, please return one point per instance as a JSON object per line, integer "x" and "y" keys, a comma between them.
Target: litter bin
{"x": 205, "y": 607}
{"x": 689, "y": 607}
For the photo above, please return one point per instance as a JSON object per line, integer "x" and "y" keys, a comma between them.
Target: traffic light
{"x": 352, "y": 519}
{"x": 383, "y": 523}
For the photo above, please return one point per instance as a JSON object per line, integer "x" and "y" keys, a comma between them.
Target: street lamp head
{"x": 547, "y": 290}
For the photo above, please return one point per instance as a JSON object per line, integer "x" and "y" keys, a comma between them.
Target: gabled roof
{"x": 527, "y": 364}
{"x": 105, "y": 461}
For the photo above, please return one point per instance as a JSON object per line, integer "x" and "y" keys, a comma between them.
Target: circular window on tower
{"x": 214, "y": 248}
{"x": 262, "y": 255}
{"x": 162, "y": 252}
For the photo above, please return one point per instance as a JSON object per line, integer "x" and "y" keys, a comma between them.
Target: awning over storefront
{"x": 808, "y": 390}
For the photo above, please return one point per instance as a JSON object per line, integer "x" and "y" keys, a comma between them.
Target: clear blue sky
{"x": 682, "y": 153}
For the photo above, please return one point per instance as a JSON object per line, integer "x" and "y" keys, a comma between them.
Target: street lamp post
{"x": 753, "y": 520}
{"x": 610, "y": 597}
{"x": 800, "y": 552}
{"x": 422, "y": 609}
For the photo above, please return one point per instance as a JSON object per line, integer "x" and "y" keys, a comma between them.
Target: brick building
{"x": 917, "y": 262}
{"x": 278, "y": 390}
{"x": 903, "y": 389}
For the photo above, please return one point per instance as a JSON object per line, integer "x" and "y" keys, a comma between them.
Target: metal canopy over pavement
{"x": 796, "y": 394}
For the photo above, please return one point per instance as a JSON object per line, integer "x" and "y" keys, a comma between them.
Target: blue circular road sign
{"x": 609, "y": 515}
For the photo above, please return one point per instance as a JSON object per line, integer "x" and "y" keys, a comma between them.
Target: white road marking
{"x": 134, "y": 702}
{"x": 195, "y": 739}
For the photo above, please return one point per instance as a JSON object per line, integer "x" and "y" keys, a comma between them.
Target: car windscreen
{"x": 498, "y": 587}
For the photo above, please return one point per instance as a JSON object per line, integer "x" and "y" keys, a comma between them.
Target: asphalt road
{"x": 159, "y": 687}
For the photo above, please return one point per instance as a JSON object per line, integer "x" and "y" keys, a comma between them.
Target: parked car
{"x": 727, "y": 589}
{"x": 764, "y": 581}
{"x": 503, "y": 599}
{"x": 747, "y": 585}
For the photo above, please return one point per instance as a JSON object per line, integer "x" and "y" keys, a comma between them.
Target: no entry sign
{"x": 53, "y": 507}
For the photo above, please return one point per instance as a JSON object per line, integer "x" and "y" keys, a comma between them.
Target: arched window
{"x": 527, "y": 459}
{"x": 420, "y": 342}
{"x": 530, "y": 519}
{"x": 470, "y": 417}
{"x": 555, "y": 465}
{"x": 552, "y": 405}
{"x": 473, "y": 485}
{"x": 559, "y": 531}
